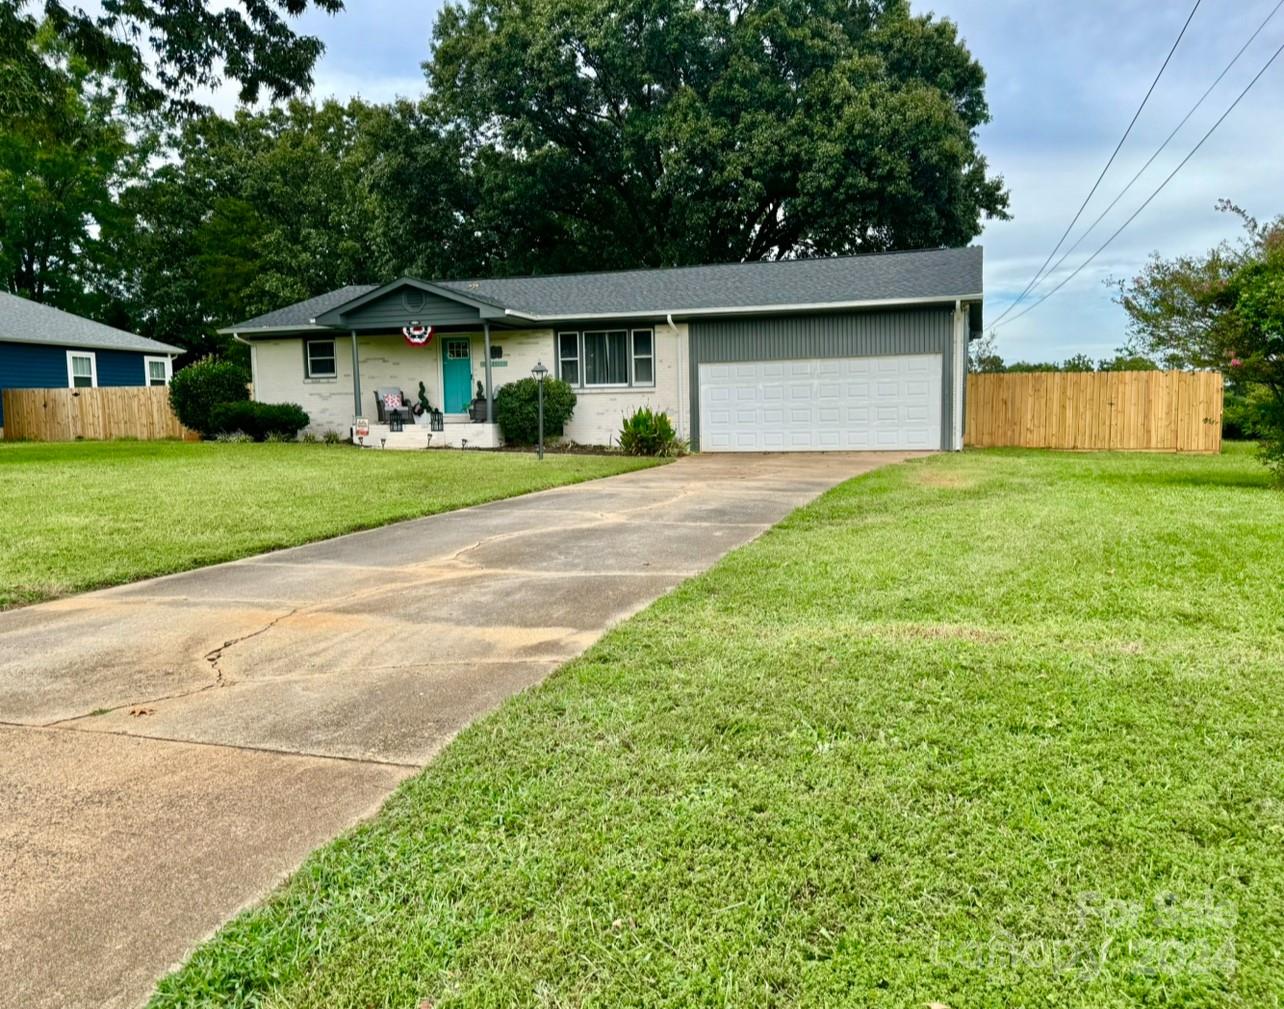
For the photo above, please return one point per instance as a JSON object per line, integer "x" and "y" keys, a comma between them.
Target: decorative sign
{"x": 417, "y": 334}
{"x": 361, "y": 427}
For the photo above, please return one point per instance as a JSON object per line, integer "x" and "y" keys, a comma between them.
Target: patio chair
{"x": 391, "y": 403}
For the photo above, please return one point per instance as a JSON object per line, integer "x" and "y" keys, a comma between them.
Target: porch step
{"x": 413, "y": 436}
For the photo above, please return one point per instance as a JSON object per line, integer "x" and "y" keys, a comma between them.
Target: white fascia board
{"x": 750, "y": 309}
{"x": 261, "y": 330}
{"x": 155, "y": 349}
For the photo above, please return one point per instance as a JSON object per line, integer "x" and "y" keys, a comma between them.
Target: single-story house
{"x": 854, "y": 352}
{"x": 42, "y": 347}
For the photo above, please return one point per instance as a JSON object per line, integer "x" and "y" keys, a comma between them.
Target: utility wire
{"x": 1135, "y": 213}
{"x": 1136, "y": 115}
{"x": 1161, "y": 148}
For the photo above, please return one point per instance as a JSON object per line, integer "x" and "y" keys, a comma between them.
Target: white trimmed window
{"x": 643, "y": 357}
{"x": 568, "y": 357}
{"x": 319, "y": 359}
{"x": 607, "y": 358}
{"x": 82, "y": 369}
{"x": 157, "y": 370}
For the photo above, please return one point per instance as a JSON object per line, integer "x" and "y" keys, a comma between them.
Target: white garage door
{"x": 820, "y": 405}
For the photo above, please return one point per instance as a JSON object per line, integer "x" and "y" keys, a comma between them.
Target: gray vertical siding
{"x": 395, "y": 310}
{"x": 849, "y": 334}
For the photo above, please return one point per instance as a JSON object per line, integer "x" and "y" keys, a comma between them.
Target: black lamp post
{"x": 539, "y": 372}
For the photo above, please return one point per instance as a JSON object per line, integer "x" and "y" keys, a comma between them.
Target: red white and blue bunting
{"x": 417, "y": 334}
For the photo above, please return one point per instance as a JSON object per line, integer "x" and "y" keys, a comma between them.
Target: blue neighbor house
{"x": 46, "y": 348}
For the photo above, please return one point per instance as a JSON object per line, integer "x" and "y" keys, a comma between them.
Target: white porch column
{"x": 490, "y": 394}
{"x": 356, "y": 378}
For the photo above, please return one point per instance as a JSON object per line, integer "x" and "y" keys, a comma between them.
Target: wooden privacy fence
{"x": 66, "y": 414}
{"x": 1145, "y": 411}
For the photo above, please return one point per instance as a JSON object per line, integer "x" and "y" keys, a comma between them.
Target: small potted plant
{"x": 477, "y": 411}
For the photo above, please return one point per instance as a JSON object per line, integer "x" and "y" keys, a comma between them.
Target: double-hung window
{"x": 643, "y": 357}
{"x": 568, "y": 357}
{"x": 82, "y": 369}
{"x": 319, "y": 359}
{"x": 605, "y": 358}
{"x": 158, "y": 370}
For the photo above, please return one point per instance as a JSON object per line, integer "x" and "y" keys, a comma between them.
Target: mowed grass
{"x": 87, "y": 514}
{"x": 1000, "y": 729}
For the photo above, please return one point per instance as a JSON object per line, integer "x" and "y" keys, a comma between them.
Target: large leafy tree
{"x": 662, "y": 132}
{"x": 262, "y": 209}
{"x": 1223, "y": 309}
{"x": 160, "y": 51}
{"x": 60, "y": 168}
{"x": 246, "y": 214}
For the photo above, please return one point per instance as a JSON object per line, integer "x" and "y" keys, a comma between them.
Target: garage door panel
{"x": 891, "y": 402}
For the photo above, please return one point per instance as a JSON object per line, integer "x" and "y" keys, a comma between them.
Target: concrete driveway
{"x": 169, "y": 750}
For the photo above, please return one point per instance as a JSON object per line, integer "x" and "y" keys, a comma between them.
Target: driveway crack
{"x": 215, "y": 657}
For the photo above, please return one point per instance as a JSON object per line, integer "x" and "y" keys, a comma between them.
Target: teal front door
{"x": 457, "y": 375}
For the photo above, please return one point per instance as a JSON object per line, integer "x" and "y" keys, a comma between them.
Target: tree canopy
{"x": 160, "y": 51}
{"x": 669, "y": 132}
{"x": 1223, "y": 309}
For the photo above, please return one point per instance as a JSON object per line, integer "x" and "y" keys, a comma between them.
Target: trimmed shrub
{"x": 196, "y": 390}
{"x": 517, "y": 409}
{"x": 280, "y": 421}
{"x": 649, "y": 432}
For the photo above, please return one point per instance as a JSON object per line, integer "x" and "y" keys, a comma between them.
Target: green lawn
{"x": 86, "y": 514}
{"x": 1000, "y": 729}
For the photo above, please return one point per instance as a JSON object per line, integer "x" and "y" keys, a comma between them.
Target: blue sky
{"x": 1064, "y": 79}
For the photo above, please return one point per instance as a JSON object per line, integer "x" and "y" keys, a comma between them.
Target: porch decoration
{"x": 477, "y": 409}
{"x": 417, "y": 334}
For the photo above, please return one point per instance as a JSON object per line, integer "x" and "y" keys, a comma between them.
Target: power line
{"x": 1135, "y": 213}
{"x": 1162, "y": 147}
{"x": 1135, "y": 116}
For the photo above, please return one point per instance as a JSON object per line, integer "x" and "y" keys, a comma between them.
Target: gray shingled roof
{"x": 893, "y": 276}
{"x": 301, "y": 313}
{"x": 904, "y": 275}
{"x": 24, "y": 321}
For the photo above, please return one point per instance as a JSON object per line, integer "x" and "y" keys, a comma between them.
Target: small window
{"x": 606, "y": 357}
{"x": 457, "y": 350}
{"x": 320, "y": 360}
{"x": 643, "y": 357}
{"x": 82, "y": 369}
{"x": 568, "y": 357}
{"x": 158, "y": 370}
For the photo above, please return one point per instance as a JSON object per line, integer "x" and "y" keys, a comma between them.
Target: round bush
{"x": 517, "y": 409}
{"x": 196, "y": 390}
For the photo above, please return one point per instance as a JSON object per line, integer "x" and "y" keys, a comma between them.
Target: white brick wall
{"x": 387, "y": 360}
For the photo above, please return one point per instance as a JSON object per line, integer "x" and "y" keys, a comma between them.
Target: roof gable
{"x": 409, "y": 299}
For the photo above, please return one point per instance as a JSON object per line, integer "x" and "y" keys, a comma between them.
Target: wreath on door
{"x": 417, "y": 334}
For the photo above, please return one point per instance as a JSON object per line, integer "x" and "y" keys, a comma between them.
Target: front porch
{"x": 454, "y": 434}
